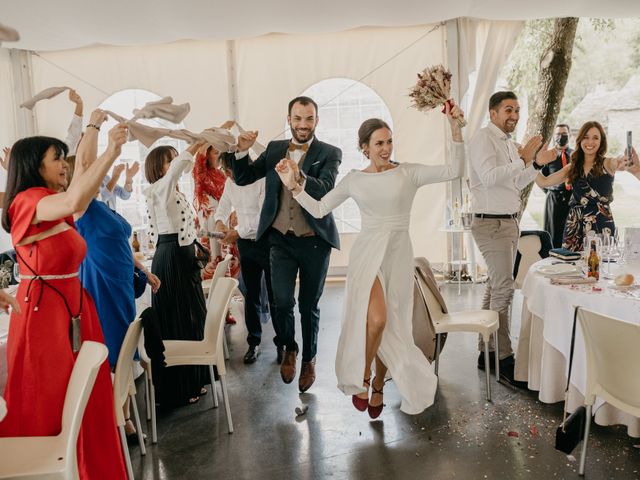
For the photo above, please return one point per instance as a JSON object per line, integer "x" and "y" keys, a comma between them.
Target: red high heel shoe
{"x": 362, "y": 403}
{"x": 375, "y": 411}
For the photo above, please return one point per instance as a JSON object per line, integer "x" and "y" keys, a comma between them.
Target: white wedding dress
{"x": 383, "y": 249}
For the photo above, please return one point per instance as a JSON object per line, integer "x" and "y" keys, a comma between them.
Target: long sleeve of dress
{"x": 426, "y": 174}
{"x": 324, "y": 206}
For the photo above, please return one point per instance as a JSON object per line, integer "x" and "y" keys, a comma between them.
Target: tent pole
{"x": 21, "y": 72}
{"x": 232, "y": 80}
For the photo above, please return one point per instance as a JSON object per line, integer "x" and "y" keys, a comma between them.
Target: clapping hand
{"x": 546, "y": 155}
{"x": 287, "y": 173}
{"x": 132, "y": 170}
{"x": 117, "y": 170}
{"x": 4, "y": 161}
{"x": 528, "y": 151}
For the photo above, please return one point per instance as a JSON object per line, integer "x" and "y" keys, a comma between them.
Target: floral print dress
{"x": 590, "y": 209}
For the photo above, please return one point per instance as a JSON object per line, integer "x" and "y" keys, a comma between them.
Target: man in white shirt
{"x": 254, "y": 253}
{"x": 499, "y": 171}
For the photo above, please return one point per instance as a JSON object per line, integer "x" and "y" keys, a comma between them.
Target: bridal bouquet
{"x": 432, "y": 90}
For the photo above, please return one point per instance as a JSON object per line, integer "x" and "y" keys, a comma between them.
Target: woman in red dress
{"x": 209, "y": 180}
{"x": 41, "y": 351}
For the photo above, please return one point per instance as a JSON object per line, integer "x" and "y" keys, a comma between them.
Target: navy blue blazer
{"x": 321, "y": 167}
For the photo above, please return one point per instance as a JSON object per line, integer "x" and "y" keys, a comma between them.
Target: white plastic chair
{"x": 484, "y": 322}
{"x": 124, "y": 388}
{"x": 209, "y": 285}
{"x": 529, "y": 248}
{"x": 56, "y": 457}
{"x": 611, "y": 347}
{"x": 209, "y": 350}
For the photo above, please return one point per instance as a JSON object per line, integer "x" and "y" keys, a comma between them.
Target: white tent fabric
{"x": 66, "y": 24}
{"x": 272, "y": 69}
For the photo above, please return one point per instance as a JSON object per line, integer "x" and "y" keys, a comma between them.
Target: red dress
{"x": 39, "y": 353}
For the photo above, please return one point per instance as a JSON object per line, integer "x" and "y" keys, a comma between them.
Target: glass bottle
{"x": 593, "y": 262}
{"x": 135, "y": 244}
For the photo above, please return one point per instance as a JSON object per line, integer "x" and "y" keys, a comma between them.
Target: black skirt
{"x": 181, "y": 310}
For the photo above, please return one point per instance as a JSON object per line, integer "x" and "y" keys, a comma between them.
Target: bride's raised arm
{"x": 317, "y": 208}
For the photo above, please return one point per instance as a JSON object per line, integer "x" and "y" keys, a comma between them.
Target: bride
{"x": 377, "y": 322}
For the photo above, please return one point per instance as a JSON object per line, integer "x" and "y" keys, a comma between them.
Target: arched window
{"x": 123, "y": 103}
{"x": 340, "y": 119}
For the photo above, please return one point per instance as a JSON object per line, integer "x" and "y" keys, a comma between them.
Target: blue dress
{"x": 107, "y": 272}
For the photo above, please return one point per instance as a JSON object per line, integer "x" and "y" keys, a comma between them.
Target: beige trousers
{"x": 497, "y": 240}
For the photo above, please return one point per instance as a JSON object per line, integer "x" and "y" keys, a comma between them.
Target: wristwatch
{"x": 536, "y": 166}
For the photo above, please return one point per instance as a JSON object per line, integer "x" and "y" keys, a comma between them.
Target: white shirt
{"x": 168, "y": 209}
{"x": 74, "y": 134}
{"x": 110, "y": 197}
{"x": 497, "y": 174}
{"x": 247, "y": 202}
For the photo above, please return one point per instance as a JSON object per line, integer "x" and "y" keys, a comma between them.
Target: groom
{"x": 299, "y": 244}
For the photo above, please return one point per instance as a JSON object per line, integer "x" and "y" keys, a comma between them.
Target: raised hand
{"x": 98, "y": 117}
{"x": 74, "y": 97}
{"x": 117, "y": 137}
{"x": 117, "y": 171}
{"x": 196, "y": 147}
{"x": 132, "y": 170}
{"x": 6, "y": 158}
{"x": 228, "y": 125}
{"x": 246, "y": 140}
{"x": 545, "y": 155}
{"x": 528, "y": 151}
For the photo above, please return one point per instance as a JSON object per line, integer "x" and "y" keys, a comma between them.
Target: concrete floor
{"x": 461, "y": 436}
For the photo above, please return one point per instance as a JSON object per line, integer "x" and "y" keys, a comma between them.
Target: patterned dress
{"x": 209, "y": 186}
{"x": 590, "y": 209}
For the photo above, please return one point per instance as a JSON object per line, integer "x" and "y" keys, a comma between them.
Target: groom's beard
{"x": 302, "y": 135}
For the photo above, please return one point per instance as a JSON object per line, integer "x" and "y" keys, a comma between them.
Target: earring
{"x": 365, "y": 153}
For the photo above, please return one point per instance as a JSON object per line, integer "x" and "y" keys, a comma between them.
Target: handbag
{"x": 202, "y": 255}
{"x": 571, "y": 430}
{"x": 139, "y": 282}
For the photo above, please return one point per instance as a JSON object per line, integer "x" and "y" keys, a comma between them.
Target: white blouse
{"x": 168, "y": 210}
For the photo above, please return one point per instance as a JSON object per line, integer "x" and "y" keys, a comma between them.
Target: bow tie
{"x": 297, "y": 146}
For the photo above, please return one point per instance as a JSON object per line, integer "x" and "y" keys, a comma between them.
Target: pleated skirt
{"x": 181, "y": 310}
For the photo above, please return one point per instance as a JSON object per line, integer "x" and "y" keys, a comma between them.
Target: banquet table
{"x": 545, "y": 337}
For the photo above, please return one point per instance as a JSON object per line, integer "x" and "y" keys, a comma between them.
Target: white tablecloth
{"x": 545, "y": 338}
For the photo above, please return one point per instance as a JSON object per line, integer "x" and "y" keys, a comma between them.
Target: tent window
{"x": 123, "y": 103}
{"x": 340, "y": 119}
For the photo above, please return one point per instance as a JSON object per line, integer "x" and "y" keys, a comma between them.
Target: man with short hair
{"x": 499, "y": 170}
{"x": 299, "y": 243}
{"x": 556, "y": 206}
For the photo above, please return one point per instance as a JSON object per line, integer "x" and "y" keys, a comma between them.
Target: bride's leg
{"x": 376, "y": 320}
{"x": 378, "y": 383}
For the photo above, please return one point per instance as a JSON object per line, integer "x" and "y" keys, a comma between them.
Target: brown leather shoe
{"x": 307, "y": 375}
{"x": 288, "y": 366}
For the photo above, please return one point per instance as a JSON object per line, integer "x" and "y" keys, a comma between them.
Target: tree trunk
{"x": 555, "y": 64}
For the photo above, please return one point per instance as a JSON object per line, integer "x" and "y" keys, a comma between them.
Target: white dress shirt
{"x": 247, "y": 202}
{"x": 497, "y": 174}
{"x": 110, "y": 197}
{"x": 169, "y": 211}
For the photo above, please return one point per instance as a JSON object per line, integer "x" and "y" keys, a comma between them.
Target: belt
{"x": 496, "y": 215}
{"x": 49, "y": 277}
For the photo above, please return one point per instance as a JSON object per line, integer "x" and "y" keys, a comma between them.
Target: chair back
{"x": 613, "y": 357}
{"x": 528, "y": 247}
{"x": 218, "y": 305}
{"x": 221, "y": 269}
{"x": 433, "y": 305}
{"x": 83, "y": 377}
{"x": 124, "y": 368}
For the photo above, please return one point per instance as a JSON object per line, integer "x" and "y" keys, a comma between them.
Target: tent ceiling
{"x": 66, "y": 24}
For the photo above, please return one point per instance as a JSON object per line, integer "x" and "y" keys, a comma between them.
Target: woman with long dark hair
{"x": 56, "y": 312}
{"x": 179, "y": 304}
{"x": 590, "y": 175}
